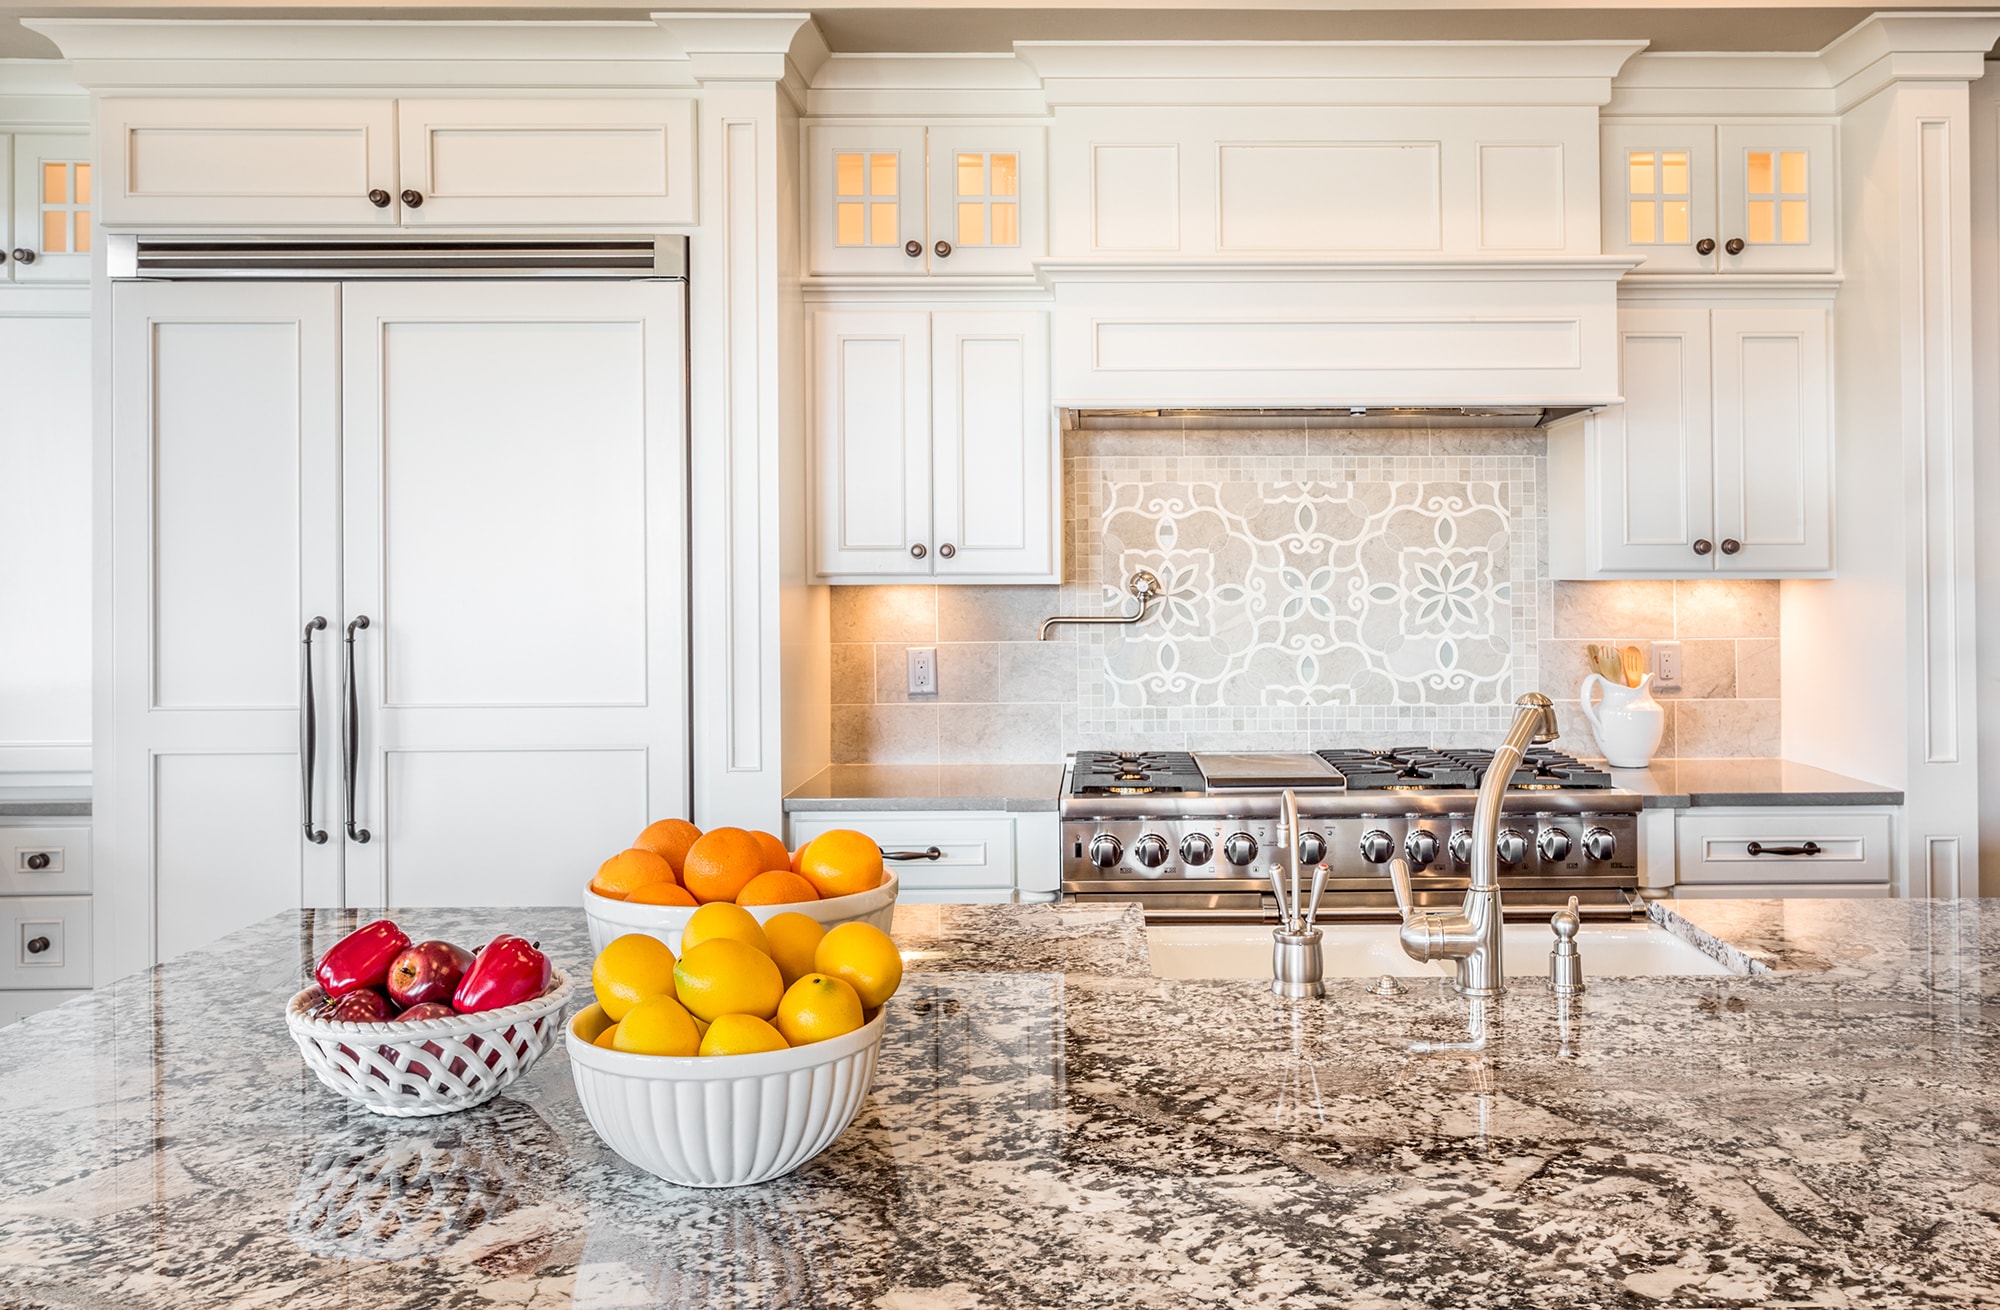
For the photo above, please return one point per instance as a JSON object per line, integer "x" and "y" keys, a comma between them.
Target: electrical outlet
{"x": 1666, "y": 664}
{"x": 923, "y": 671}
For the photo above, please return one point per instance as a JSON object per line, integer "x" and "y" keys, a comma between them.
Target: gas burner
{"x": 1133, "y": 773}
{"x": 1134, "y": 791}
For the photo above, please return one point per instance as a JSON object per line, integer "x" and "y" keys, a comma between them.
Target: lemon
{"x": 608, "y": 1039}
{"x": 720, "y": 919}
{"x": 741, "y": 1034}
{"x": 817, "y": 1007}
{"x": 656, "y": 1026}
{"x": 725, "y": 976}
{"x": 590, "y": 1021}
{"x": 630, "y": 969}
{"x": 794, "y": 937}
{"x": 863, "y": 956}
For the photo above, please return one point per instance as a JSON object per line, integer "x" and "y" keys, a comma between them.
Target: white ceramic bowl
{"x": 611, "y": 919}
{"x": 725, "y": 1120}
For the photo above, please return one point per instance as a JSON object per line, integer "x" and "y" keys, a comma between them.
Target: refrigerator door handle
{"x": 309, "y": 732}
{"x": 350, "y": 732}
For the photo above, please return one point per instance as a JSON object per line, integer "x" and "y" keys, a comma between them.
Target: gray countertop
{"x": 1682, "y": 784}
{"x": 44, "y": 802}
{"x": 1018, "y": 787}
{"x": 1050, "y": 1125}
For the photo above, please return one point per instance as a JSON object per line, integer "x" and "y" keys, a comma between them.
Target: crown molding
{"x": 747, "y": 47}
{"x": 927, "y": 86}
{"x": 38, "y": 93}
{"x": 1908, "y": 47}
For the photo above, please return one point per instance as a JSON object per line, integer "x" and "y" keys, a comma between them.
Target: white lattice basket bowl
{"x": 725, "y": 1120}
{"x": 611, "y": 919}
{"x": 427, "y": 1066}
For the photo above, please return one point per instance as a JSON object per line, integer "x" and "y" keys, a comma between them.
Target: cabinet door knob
{"x": 23, "y": 255}
{"x": 414, "y": 199}
{"x": 914, "y": 249}
{"x": 1734, "y": 245}
{"x": 379, "y": 198}
{"x": 39, "y": 860}
{"x": 947, "y": 550}
{"x": 1705, "y": 246}
{"x": 36, "y": 945}
{"x": 942, "y": 249}
{"x": 918, "y": 551}
{"x": 1731, "y": 545}
{"x": 1703, "y": 545}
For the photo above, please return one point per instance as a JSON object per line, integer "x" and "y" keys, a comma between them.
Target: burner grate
{"x": 1133, "y": 773}
{"x": 1421, "y": 768}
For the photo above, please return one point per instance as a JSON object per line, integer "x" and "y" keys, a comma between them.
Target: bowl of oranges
{"x": 673, "y": 868}
{"x": 740, "y": 1053}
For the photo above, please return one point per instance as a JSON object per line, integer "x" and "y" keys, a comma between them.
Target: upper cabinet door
{"x": 1655, "y": 453}
{"x": 1773, "y": 442}
{"x": 865, "y": 199}
{"x": 988, "y": 200}
{"x": 589, "y": 163}
{"x": 1659, "y": 196}
{"x": 247, "y": 163}
{"x": 872, "y": 444}
{"x": 1775, "y": 188}
{"x": 52, "y": 227}
{"x": 992, "y": 438}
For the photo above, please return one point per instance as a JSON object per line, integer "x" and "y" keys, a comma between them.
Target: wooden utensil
{"x": 1629, "y": 658}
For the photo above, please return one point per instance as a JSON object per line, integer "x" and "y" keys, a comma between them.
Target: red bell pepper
{"x": 507, "y": 972}
{"x": 360, "y": 959}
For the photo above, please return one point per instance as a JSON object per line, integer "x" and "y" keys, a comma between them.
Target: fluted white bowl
{"x": 611, "y": 919}
{"x": 725, "y": 1120}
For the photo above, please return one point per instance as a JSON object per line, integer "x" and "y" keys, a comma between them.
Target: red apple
{"x": 427, "y": 971}
{"x": 364, "y": 1006}
{"x": 360, "y": 959}
{"x": 507, "y": 972}
{"x": 427, "y": 1010}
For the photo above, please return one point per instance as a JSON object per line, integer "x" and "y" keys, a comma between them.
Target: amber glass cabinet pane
{"x": 971, "y": 223}
{"x": 1006, "y": 224}
{"x": 972, "y": 175}
{"x": 881, "y": 175}
{"x": 83, "y": 184}
{"x": 1757, "y": 172}
{"x": 847, "y": 175}
{"x": 1640, "y": 164}
{"x": 1674, "y": 222}
{"x": 1762, "y": 226}
{"x": 847, "y": 223}
{"x": 55, "y": 232}
{"x": 1792, "y": 222}
{"x": 882, "y": 224}
{"x": 1643, "y": 231}
{"x": 1006, "y": 175}
{"x": 83, "y": 231}
{"x": 1792, "y": 172}
{"x": 55, "y": 184}
{"x": 1674, "y": 173}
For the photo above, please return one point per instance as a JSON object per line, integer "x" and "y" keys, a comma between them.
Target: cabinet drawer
{"x": 18, "y": 1005}
{"x": 45, "y": 941}
{"x": 1846, "y": 846}
{"x": 44, "y": 861}
{"x": 973, "y": 853}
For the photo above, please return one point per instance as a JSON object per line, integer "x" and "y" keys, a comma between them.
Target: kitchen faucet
{"x": 1471, "y": 935}
{"x": 1296, "y": 966}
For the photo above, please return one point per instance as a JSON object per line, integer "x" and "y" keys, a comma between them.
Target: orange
{"x": 741, "y": 1034}
{"x": 608, "y": 1039}
{"x": 817, "y": 1007}
{"x": 669, "y": 839}
{"x": 629, "y": 970}
{"x": 793, "y": 937}
{"x": 590, "y": 1022}
{"x": 661, "y": 893}
{"x": 775, "y": 854}
{"x": 776, "y": 887}
{"x": 657, "y": 1025}
{"x": 841, "y": 863}
{"x": 721, "y": 919}
{"x": 725, "y": 976}
{"x": 720, "y": 862}
{"x": 798, "y": 855}
{"x": 863, "y": 956}
{"x": 628, "y": 871}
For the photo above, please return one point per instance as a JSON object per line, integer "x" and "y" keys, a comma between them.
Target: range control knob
{"x": 1377, "y": 847}
{"x": 1150, "y": 850}
{"x": 1421, "y": 846}
{"x": 1240, "y": 848}
{"x": 1512, "y": 847}
{"x": 1197, "y": 849}
{"x": 1599, "y": 844}
{"x": 1461, "y": 846}
{"x": 1554, "y": 844}
{"x": 1105, "y": 850}
{"x": 1312, "y": 848}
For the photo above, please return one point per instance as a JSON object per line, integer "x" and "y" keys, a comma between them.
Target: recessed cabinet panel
{"x": 1656, "y": 449}
{"x": 871, "y": 443}
{"x": 226, "y": 843}
{"x": 1521, "y": 197}
{"x": 246, "y": 163}
{"x": 1772, "y": 468}
{"x": 1135, "y": 197}
{"x": 52, "y": 208}
{"x": 1329, "y": 197}
{"x": 992, "y": 433}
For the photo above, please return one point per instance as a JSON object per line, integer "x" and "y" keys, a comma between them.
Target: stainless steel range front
{"x": 1190, "y": 836}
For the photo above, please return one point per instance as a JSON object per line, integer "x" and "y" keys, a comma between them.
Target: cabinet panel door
{"x": 574, "y": 162}
{"x": 872, "y": 444}
{"x": 865, "y": 199}
{"x": 52, "y": 219}
{"x": 513, "y": 456}
{"x": 1775, "y": 184}
{"x": 1773, "y": 441}
{"x": 1655, "y": 453}
{"x": 224, "y": 402}
{"x": 992, "y": 439}
{"x": 988, "y": 199}
{"x": 1659, "y": 195}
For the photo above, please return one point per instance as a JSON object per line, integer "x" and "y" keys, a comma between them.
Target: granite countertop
{"x": 1683, "y": 784}
{"x": 1015, "y": 787}
{"x": 44, "y": 802}
{"x": 1050, "y": 1125}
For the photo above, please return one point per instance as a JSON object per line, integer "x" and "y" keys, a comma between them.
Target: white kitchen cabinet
{"x": 933, "y": 446}
{"x": 982, "y": 855}
{"x": 1810, "y": 851}
{"x": 958, "y": 200}
{"x": 52, "y": 233}
{"x": 1718, "y": 463}
{"x": 381, "y": 163}
{"x": 1692, "y": 197}
{"x": 480, "y": 485}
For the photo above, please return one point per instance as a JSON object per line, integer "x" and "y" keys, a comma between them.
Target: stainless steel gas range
{"x": 1190, "y": 836}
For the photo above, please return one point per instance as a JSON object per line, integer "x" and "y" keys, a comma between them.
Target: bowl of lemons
{"x": 673, "y": 868}
{"x": 740, "y": 1052}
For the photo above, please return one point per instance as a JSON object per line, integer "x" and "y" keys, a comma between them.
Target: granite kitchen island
{"x": 1050, "y": 1125}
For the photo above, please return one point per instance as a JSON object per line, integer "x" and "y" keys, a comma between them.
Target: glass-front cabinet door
{"x": 987, "y": 200}
{"x": 1659, "y": 196}
{"x": 1775, "y": 195}
{"x": 52, "y": 232}
{"x": 866, "y": 199}
{"x": 937, "y": 202}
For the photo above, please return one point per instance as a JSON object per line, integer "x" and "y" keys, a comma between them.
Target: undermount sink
{"x": 1369, "y": 950}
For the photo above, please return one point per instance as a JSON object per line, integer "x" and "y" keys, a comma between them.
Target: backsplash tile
{"x": 1325, "y": 588}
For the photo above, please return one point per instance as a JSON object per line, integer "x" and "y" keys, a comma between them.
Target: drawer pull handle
{"x": 39, "y": 860}
{"x": 1759, "y": 848}
{"x": 37, "y": 945}
{"x": 928, "y": 853}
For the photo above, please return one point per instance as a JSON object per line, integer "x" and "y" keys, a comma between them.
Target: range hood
{"x": 1342, "y": 417}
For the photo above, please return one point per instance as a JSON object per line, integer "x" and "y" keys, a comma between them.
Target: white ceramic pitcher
{"x": 1628, "y": 724}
